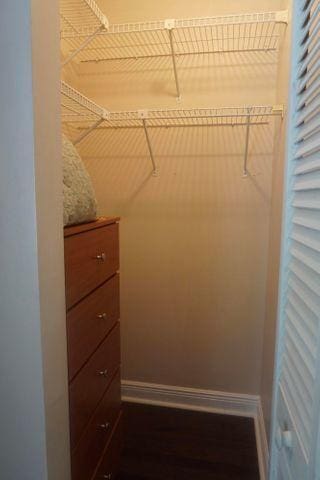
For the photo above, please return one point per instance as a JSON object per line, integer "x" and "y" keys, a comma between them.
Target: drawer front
{"x": 109, "y": 465}
{"x": 90, "y": 258}
{"x": 90, "y": 321}
{"x": 92, "y": 444}
{"x": 89, "y": 385}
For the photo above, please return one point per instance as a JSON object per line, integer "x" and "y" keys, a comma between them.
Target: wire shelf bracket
{"x": 169, "y": 25}
{"x": 143, "y": 114}
{"x": 79, "y": 16}
{"x": 246, "y": 150}
{"x": 81, "y": 47}
{"x": 89, "y": 116}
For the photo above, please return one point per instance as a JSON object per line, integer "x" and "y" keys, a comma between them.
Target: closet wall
{"x": 34, "y": 394}
{"x": 195, "y": 240}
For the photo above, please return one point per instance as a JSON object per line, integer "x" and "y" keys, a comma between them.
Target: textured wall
{"x": 194, "y": 241}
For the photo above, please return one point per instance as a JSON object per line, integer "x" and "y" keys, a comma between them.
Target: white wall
{"x": 194, "y": 241}
{"x": 34, "y": 429}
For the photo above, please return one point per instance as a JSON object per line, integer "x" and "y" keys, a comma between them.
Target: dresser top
{"x": 84, "y": 227}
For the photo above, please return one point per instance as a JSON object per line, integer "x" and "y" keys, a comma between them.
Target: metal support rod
{"x": 68, "y": 107}
{"x": 149, "y": 145}
{"x": 174, "y": 63}
{"x": 191, "y": 125}
{"x": 246, "y": 151}
{"x": 82, "y": 46}
{"x": 89, "y": 130}
{"x": 165, "y": 55}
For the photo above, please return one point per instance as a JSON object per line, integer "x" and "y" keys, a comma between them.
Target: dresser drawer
{"x": 89, "y": 385}
{"x": 90, "y": 258}
{"x": 90, "y": 321}
{"x": 97, "y": 434}
{"x": 109, "y": 464}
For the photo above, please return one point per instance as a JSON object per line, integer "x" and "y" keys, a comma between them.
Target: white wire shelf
{"x": 87, "y": 116}
{"x": 82, "y": 18}
{"x": 77, "y": 107}
{"x": 253, "y": 31}
{"x": 175, "y": 37}
{"x": 193, "y": 117}
{"x": 79, "y": 14}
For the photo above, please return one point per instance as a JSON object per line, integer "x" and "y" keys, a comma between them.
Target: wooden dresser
{"x": 93, "y": 332}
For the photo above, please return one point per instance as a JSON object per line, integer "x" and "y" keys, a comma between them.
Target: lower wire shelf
{"x": 86, "y": 116}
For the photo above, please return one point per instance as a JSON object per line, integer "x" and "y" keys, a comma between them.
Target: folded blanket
{"x": 79, "y": 202}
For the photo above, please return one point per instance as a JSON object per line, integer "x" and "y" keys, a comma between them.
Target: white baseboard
{"x": 190, "y": 398}
{"x": 207, "y": 401}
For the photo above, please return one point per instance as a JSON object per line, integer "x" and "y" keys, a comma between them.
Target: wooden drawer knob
{"x": 105, "y": 426}
{"x": 102, "y": 257}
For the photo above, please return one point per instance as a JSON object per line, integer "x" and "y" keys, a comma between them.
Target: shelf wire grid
{"x": 231, "y": 33}
{"x": 79, "y": 109}
{"x": 194, "y": 117}
{"x": 80, "y": 16}
{"x": 76, "y": 107}
{"x": 81, "y": 116}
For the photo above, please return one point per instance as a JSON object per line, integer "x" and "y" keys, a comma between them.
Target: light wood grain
{"x": 89, "y": 385}
{"x": 84, "y": 271}
{"x": 93, "y": 328}
{"x": 95, "y": 437}
{"x": 110, "y": 460}
{"x": 90, "y": 321}
{"x": 84, "y": 227}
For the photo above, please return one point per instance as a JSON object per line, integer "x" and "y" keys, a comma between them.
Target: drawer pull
{"x": 101, "y": 256}
{"x": 104, "y": 426}
{"x": 104, "y": 373}
{"x": 103, "y": 315}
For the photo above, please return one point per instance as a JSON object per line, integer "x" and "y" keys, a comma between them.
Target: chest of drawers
{"x": 93, "y": 334}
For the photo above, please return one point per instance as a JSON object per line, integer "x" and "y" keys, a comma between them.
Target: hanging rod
{"x": 79, "y": 110}
{"x": 175, "y": 37}
{"x": 77, "y": 15}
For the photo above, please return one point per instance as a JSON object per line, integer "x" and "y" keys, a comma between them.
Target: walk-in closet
{"x": 161, "y": 189}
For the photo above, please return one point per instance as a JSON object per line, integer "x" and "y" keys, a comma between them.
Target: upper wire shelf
{"x": 78, "y": 16}
{"x": 252, "y": 31}
{"x": 84, "y": 19}
{"x": 174, "y": 37}
{"x": 77, "y": 109}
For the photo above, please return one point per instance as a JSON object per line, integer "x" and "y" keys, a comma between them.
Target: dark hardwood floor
{"x": 169, "y": 444}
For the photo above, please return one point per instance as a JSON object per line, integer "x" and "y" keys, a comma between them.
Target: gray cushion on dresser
{"x": 79, "y": 202}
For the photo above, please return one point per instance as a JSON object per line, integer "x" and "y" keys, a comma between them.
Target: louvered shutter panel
{"x": 297, "y": 386}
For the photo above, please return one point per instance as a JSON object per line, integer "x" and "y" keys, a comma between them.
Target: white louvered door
{"x": 297, "y": 387}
